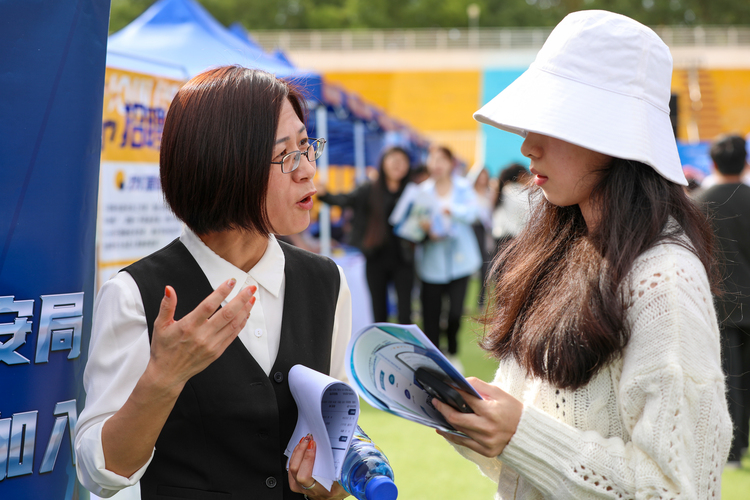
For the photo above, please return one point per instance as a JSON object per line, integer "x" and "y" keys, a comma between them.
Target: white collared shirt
{"x": 120, "y": 349}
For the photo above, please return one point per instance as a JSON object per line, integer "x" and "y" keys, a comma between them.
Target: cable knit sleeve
{"x": 670, "y": 398}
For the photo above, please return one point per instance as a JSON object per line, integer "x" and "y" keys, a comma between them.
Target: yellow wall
{"x": 724, "y": 106}
{"x": 438, "y": 104}
{"x": 436, "y": 101}
{"x": 733, "y": 99}
{"x": 439, "y": 100}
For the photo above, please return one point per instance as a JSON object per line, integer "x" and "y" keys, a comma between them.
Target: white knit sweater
{"x": 653, "y": 424}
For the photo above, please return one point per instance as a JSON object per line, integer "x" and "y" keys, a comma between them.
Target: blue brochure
{"x": 381, "y": 362}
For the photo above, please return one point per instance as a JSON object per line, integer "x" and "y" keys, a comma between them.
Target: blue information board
{"x": 52, "y": 76}
{"x": 695, "y": 155}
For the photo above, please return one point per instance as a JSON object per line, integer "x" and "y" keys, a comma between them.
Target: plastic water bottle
{"x": 366, "y": 473}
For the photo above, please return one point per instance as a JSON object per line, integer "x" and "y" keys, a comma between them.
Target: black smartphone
{"x": 439, "y": 389}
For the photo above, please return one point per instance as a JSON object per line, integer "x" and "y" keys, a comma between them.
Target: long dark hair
{"x": 377, "y": 220}
{"x": 557, "y": 307}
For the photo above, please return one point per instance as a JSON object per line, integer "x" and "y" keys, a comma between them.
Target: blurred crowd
{"x": 424, "y": 230}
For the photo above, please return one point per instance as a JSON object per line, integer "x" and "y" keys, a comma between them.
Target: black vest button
{"x": 278, "y": 377}
{"x": 271, "y": 482}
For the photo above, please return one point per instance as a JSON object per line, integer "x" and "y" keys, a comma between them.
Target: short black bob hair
{"x": 217, "y": 148}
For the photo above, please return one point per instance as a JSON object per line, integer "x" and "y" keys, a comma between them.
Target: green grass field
{"x": 428, "y": 468}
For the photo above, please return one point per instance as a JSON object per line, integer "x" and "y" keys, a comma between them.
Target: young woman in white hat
{"x": 610, "y": 382}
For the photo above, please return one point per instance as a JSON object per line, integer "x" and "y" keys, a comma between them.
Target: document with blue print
{"x": 415, "y": 208}
{"x": 384, "y": 362}
{"x": 328, "y": 409}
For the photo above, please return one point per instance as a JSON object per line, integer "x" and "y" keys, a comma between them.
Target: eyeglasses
{"x": 290, "y": 161}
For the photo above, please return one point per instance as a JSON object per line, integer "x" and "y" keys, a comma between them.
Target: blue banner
{"x": 501, "y": 148}
{"x": 52, "y": 78}
{"x": 695, "y": 155}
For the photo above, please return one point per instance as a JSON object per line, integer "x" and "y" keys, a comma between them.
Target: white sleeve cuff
{"x": 92, "y": 471}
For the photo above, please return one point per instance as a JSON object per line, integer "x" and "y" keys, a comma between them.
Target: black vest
{"x": 226, "y": 435}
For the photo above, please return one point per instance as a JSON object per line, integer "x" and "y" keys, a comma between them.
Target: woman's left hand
{"x": 492, "y": 424}
{"x": 300, "y": 473}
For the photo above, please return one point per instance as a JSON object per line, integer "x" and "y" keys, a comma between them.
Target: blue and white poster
{"x": 52, "y": 79}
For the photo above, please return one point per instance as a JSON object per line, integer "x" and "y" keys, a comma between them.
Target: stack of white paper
{"x": 328, "y": 409}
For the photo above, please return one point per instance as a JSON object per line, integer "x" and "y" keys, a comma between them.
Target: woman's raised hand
{"x": 181, "y": 349}
{"x": 492, "y": 424}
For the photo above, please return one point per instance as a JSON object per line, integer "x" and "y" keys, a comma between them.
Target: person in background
{"x": 486, "y": 193}
{"x": 419, "y": 174}
{"x": 511, "y": 207}
{"x": 186, "y": 379}
{"x": 445, "y": 206}
{"x": 727, "y": 203}
{"x": 610, "y": 383}
{"x": 711, "y": 179}
{"x": 389, "y": 259}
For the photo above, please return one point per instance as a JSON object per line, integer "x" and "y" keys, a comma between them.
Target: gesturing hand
{"x": 492, "y": 424}
{"x": 181, "y": 349}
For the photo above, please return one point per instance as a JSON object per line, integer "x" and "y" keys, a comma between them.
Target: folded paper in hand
{"x": 382, "y": 361}
{"x": 328, "y": 409}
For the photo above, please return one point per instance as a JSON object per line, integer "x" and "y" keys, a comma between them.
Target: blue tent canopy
{"x": 281, "y": 56}
{"x": 183, "y": 33}
{"x": 374, "y": 144}
{"x": 240, "y": 32}
{"x": 340, "y": 134}
{"x": 146, "y": 65}
{"x": 181, "y": 38}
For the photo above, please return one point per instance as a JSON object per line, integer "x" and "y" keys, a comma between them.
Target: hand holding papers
{"x": 406, "y": 215}
{"x": 328, "y": 409}
{"x": 384, "y": 359}
{"x": 416, "y": 207}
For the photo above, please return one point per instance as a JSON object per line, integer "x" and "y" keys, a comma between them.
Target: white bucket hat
{"x": 601, "y": 81}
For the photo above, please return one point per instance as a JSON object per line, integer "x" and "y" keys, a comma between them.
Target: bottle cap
{"x": 381, "y": 488}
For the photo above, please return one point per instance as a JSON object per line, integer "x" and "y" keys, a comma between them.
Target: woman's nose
{"x": 305, "y": 170}
{"x": 531, "y": 146}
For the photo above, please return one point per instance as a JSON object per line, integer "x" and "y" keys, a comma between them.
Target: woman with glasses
{"x": 186, "y": 378}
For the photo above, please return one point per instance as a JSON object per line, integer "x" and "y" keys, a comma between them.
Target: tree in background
{"x": 348, "y": 14}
